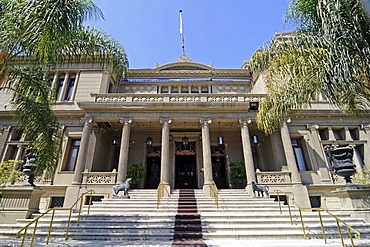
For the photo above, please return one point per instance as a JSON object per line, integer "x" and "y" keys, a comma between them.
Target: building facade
{"x": 184, "y": 123}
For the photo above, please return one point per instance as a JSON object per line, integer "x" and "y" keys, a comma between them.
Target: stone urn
{"x": 342, "y": 163}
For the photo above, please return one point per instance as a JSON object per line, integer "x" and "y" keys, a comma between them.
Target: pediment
{"x": 183, "y": 63}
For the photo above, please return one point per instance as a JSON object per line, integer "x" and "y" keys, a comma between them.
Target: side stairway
{"x": 239, "y": 217}
{"x": 242, "y": 217}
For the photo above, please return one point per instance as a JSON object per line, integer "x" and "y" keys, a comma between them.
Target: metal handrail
{"x": 214, "y": 192}
{"x": 36, "y": 220}
{"x": 160, "y": 192}
{"x": 319, "y": 210}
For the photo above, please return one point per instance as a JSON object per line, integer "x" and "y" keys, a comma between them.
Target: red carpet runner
{"x": 188, "y": 228}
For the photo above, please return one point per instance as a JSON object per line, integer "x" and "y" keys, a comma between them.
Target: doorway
{"x": 153, "y": 167}
{"x": 219, "y": 172}
{"x": 185, "y": 172}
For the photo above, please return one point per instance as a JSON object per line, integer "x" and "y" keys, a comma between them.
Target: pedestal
{"x": 356, "y": 200}
{"x": 19, "y": 202}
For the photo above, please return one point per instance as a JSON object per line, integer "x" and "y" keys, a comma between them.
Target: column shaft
{"x": 206, "y": 146}
{"x": 124, "y": 150}
{"x": 247, "y": 151}
{"x": 165, "y": 152}
{"x": 289, "y": 153}
{"x": 82, "y": 153}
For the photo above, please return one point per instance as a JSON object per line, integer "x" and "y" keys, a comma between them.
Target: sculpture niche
{"x": 342, "y": 162}
{"x": 125, "y": 187}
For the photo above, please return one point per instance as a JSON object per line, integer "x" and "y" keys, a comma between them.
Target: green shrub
{"x": 135, "y": 171}
{"x": 9, "y": 171}
{"x": 362, "y": 177}
{"x": 237, "y": 173}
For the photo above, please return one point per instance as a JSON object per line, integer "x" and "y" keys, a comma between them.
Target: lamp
{"x": 149, "y": 139}
{"x": 185, "y": 140}
{"x": 221, "y": 143}
{"x": 115, "y": 141}
{"x": 255, "y": 139}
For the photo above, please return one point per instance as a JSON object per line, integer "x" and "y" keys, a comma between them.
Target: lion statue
{"x": 125, "y": 187}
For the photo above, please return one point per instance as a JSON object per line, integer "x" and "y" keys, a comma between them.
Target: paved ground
{"x": 211, "y": 243}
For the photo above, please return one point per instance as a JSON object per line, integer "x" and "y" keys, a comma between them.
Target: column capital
{"x": 87, "y": 121}
{"x": 165, "y": 121}
{"x": 312, "y": 126}
{"x": 125, "y": 120}
{"x": 365, "y": 127}
{"x": 244, "y": 121}
{"x": 205, "y": 121}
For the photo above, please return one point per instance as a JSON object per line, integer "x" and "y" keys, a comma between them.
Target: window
{"x": 15, "y": 146}
{"x": 65, "y": 86}
{"x": 324, "y": 134}
{"x": 298, "y": 153}
{"x": 354, "y": 132}
{"x": 57, "y": 202}
{"x": 72, "y": 154}
{"x": 315, "y": 201}
{"x": 339, "y": 134}
{"x": 70, "y": 86}
{"x": 59, "y": 87}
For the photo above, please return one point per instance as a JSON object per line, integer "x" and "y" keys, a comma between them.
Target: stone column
{"x": 278, "y": 151}
{"x": 289, "y": 153}
{"x": 319, "y": 158}
{"x": 165, "y": 154}
{"x": 247, "y": 151}
{"x": 366, "y": 130}
{"x": 207, "y": 162}
{"x": 82, "y": 153}
{"x": 124, "y": 150}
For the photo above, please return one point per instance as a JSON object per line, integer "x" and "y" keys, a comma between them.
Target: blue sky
{"x": 216, "y": 31}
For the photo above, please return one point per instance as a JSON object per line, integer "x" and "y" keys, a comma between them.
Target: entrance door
{"x": 153, "y": 167}
{"x": 185, "y": 172}
{"x": 218, "y": 171}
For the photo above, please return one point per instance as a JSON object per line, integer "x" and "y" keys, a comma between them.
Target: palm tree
{"x": 329, "y": 54}
{"x": 35, "y": 37}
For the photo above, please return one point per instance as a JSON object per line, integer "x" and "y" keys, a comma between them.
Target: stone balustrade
{"x": 176, "y": 98}
{"x": 99, "y": 177}
{"x": 274, "y": 177}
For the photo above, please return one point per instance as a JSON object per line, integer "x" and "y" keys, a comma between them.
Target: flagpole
{"x": 182, "y": 34}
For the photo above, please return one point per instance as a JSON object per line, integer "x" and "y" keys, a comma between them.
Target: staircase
{"x": 188, "y": 218}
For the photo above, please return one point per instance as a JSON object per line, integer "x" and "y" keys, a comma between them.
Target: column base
{"x": 207, "y": 190}
{"x": 166, "y": 190}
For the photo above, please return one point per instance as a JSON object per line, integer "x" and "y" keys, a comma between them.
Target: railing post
{"x": 303, "y": 228}
{"x": 290, "y": 212}
{"x": 278, "y": 197}
{"x": 34, "y": 232}
{"x": 322, "y": 226}
{"x": 340, "y": 232}
{"x": 350, "y": 236}
{"x": 90, "y": 201}
{"x": 69, "y": 223}
{"x": 51, "y": 225}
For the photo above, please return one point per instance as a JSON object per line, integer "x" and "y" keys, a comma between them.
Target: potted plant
{"x": 237, "y": 174}
{"x": 135, "y": 171}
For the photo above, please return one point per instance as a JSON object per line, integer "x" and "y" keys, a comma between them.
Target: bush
{"x": 9, "y": 171}
{"x": 362, "y": 177}
{"x": 135, "y": 171}
{"x": 237, "y": 173}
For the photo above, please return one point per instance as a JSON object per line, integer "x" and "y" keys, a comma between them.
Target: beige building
{"x": 185, "y": 123}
